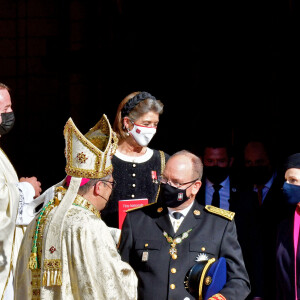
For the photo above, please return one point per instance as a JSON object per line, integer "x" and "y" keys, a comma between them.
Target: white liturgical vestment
{"x": 17, "y": 208}
{"x": 91, "y": 265}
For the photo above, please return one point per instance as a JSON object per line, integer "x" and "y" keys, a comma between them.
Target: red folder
{"x": 125, "y": 205}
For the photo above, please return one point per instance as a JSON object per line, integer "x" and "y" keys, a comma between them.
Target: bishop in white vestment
{"x": 68, "y": 252}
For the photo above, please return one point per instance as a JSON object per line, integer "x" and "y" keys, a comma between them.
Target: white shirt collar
{"x": 183, "y": 211}
{"x": 135, "y": 159}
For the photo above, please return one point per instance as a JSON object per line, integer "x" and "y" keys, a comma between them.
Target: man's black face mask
{"x": 216, "y": 174}
{"x": 172, "y": 196}
{"x": 8, "y": 121}
{"x": 257, "y": 175}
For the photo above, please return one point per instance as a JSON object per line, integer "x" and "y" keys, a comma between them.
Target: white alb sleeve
{"x": 27, "y": 205}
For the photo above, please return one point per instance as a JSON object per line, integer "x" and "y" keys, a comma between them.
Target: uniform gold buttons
{"x": 133, "y": 175}
{"x": 132, "y": 196}
{"x": 172, "y": 286}
{"x": 133, "y": 184}
{"x": 160, "y": 209}
{"x": 207, "y": 280}
{"x": 203, "y": 249}
{"x": 146, "y": 245}
{"x": 173, "y": 270}
{"x": 134, "y": 165}
{"x": 197, "y": 212}
{"x": 174, "y": 256}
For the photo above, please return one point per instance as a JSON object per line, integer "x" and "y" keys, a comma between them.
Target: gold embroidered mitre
{"x": 89, "y": 156}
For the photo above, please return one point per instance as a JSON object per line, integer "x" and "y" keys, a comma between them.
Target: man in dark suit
{"x": 260, "y": 175}
{"x": 217, "y": 189}
{"x": 162, "y": 246}
{"x": 220, "y": 189}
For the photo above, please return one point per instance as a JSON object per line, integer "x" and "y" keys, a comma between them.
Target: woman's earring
{"x": 124, "y": 128}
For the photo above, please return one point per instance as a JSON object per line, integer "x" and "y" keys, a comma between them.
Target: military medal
{"x": 154, "y": 176}
{"x": 145, "y": 256}
{"x": 173, "y": 243}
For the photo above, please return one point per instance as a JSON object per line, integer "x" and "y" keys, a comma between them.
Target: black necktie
{"x": 216, "y": 195}
{"x": 260, "y": 194}
{"x": 177, "y": 215}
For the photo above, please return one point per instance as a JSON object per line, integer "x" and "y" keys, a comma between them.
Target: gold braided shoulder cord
{"x": 208, "y": 264}
{"x": 162, "y": 168}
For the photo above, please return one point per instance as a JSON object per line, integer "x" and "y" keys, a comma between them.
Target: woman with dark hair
{"x": 136, "y": 166}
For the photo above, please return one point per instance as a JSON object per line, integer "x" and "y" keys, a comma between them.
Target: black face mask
{"x": 8, "y": 121}
{"x": 257, "y": 175}
{"x": 216, "y": 174}
{"x": 172, "y": 196}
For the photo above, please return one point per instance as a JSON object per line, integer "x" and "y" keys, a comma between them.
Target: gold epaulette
{"x": 221, "y": 212}
{"x": 138, "y": 207}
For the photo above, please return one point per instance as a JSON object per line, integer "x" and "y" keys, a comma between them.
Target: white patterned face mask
{"x": 142, "y": 134}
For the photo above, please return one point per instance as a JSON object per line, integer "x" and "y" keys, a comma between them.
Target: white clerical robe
{"x": 17, "y": 208}
{"x": 91, "y": 265}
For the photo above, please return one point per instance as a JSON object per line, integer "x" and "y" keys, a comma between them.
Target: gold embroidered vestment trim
{"x": 52, "y": 274}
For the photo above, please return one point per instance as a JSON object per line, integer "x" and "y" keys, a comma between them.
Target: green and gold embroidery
{"x": 176, "y": 241}
{"x": 52, "y": 274}
{"x": 34, "y": 263}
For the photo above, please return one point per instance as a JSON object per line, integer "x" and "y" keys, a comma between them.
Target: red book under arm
{"x": 125, "y": 205}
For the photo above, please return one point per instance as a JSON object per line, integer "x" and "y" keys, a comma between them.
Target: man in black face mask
{"x": 17, "y": 202}
{"x": 217, "y": 189}
{"x": 259, "y": 171}
{"x": 260, "y": 177}
{"x": 163, "y": 240}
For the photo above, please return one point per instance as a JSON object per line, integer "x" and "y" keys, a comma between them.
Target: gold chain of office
{"x": 174, "y": 242}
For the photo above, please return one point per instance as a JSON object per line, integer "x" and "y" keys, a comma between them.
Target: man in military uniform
{"x": 162, "y": 246}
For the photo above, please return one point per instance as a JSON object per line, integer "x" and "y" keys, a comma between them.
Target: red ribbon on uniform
{"x": 154, "y": 175}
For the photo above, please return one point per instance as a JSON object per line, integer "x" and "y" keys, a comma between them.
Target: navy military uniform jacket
{"x": 144, "y": 246}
